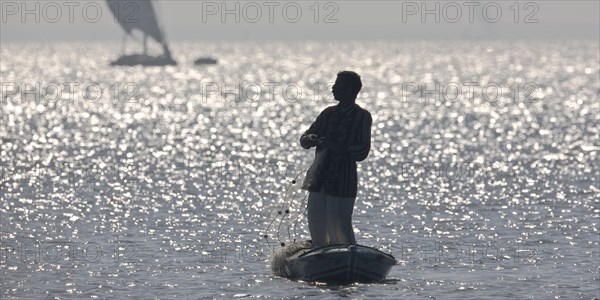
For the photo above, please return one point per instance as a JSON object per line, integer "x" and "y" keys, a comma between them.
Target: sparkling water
{"x": 482, "y": 178}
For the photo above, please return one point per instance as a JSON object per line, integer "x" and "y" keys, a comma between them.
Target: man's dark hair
{"x": 351, "y": 79}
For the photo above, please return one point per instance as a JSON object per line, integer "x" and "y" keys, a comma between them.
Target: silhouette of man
{"x": 342, "y": 136}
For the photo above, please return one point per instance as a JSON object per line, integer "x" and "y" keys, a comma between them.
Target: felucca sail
{"x": 139, "y": 14}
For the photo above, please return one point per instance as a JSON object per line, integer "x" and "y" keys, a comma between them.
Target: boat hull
{"x": 333, "y": 264}
{"x": 143, "y": 60}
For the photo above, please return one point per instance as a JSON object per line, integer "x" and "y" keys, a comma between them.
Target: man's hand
{"x": 312, "y": 139}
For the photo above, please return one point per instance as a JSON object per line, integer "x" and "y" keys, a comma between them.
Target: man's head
{"x": 346, "y": 87}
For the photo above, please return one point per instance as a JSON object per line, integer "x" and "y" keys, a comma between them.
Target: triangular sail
{"x": 132, "y": 14}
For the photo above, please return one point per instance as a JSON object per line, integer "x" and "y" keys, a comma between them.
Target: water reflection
{"x": 176, "y": 186}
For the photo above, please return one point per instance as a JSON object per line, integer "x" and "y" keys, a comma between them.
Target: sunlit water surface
{"x": 165, "y": 184}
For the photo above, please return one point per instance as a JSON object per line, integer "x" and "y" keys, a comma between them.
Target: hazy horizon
{"x": 333, "y": 20}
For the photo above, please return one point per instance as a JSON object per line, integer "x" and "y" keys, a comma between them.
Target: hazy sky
{"x": 276, "y": 20}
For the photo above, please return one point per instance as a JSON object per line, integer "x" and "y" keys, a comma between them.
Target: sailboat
{"x": 140, "y": 15}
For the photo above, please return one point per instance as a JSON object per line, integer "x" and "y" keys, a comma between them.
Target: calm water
{"x": 164, "y": 184}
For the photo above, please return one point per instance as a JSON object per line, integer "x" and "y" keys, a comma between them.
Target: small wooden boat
{"x": 338, "y": 264}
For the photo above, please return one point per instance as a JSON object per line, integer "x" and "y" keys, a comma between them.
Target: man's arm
{"x": 360, "y": 150}
{"x": 309, "y": 138}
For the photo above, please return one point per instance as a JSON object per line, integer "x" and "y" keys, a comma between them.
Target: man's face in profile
{"x": 340, "y": 90}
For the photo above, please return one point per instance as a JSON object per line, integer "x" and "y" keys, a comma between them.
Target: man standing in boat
{"x": 342, "y": 135}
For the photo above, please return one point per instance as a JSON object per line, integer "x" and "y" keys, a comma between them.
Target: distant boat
{"x": 140, "y": 15}
{"x": 205, "y": 61}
